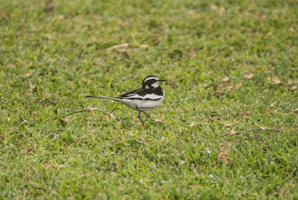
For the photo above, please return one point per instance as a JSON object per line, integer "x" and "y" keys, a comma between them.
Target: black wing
{"x": 140, "y": 92}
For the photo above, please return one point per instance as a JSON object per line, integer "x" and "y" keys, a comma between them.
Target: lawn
{"x": 227, "y": 128}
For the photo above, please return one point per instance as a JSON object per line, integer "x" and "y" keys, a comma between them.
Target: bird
{"x": 148, "y": 97}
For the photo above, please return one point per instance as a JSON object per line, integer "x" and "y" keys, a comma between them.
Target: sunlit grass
{"x": 226, "y": 129}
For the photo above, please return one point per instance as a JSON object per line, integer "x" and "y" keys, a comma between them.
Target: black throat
{"x": 152, "y": 90}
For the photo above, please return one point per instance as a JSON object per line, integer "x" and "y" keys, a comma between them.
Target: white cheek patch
{"x": 155, "y": 85}
{"x": 146, "y": 87}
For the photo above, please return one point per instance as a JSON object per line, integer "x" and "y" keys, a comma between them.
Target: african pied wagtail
{"x": 146, "y": 98}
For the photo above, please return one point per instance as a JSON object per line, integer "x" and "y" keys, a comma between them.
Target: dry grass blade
{"x": 118, "y": 46}
{"x": 276, "y": 81}
{"x": 225, "y": 79}
{"x": 248, "y": 76}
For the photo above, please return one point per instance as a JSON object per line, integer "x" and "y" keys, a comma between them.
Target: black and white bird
{"x": 146, "y": 98}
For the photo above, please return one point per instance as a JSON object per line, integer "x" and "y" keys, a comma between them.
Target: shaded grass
{"x": 229, "y": 120}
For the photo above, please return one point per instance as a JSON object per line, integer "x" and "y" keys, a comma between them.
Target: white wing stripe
{"x": 147, "y": 96}
{"x": 152, "y": 96}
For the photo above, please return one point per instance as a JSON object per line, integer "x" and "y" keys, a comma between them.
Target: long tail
{"x": 103, "y": 97}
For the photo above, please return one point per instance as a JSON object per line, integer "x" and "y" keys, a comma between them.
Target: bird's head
{"x": 151, "y": 81}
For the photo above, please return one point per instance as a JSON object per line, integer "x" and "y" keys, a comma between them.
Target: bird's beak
{"x": 162, "y": 80}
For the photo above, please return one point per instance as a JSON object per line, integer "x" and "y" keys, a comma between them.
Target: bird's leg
{"x": 147, "y": 115}
{"x": 139, "y": 116}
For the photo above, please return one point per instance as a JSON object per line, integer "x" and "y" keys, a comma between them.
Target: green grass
{"x": 228, "y": 125}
